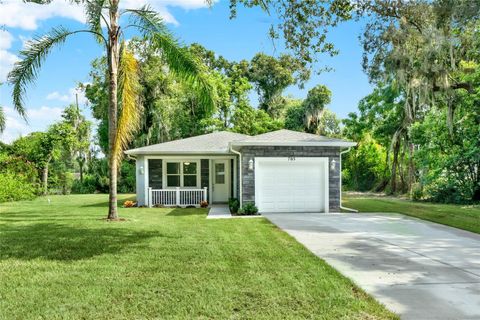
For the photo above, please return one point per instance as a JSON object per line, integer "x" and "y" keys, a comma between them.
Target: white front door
{"x": 221, "y": 180}
{"x": 291, "y": 185}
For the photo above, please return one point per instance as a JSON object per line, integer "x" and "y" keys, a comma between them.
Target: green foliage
{"x": 96, "y": 178}
{"x": 295, "y": 115}
{"x": 233, "y": 205}
{"x": 87, "y": 186}
{"x": 317, "y": 98}
{"x": 416, "y": 193}
{"x": 364, "y": 167}
{"x": 449, "y": 164}
{"x": 15, "y": 187}
{"x": 248, "y": 208}
{"x": 271, "y": 76}
{"x": 18, "y": 178}
{"x": 248, "y": 120}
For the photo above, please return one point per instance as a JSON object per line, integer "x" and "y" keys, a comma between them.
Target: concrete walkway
{"x": 418, "y": 269}
{"x": 219, "y": 211}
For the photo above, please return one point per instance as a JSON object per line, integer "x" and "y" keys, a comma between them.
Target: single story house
{"x": 280, "y": 171}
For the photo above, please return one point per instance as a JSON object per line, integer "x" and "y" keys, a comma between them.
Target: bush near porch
{"x": 62, "y": 260}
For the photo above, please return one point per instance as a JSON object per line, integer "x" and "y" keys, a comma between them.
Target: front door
{"x": 221, "y": 180}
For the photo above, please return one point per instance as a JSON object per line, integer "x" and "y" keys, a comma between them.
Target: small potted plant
{"x": 203, "y": 204}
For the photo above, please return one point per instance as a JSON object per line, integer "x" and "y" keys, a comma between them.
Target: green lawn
{"x": 63, "y": 261}
{"x": 462, "y": 217}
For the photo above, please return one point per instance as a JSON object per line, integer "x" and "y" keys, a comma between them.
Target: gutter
{"x": 344, "y": 208}
{"x": 239, "y": 174}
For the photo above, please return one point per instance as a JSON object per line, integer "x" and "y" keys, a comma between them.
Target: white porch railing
{"x": 176, "y": 197}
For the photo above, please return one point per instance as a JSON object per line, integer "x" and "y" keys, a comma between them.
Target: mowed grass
{"x": 63, "y": 261}
{"x": 458, "y": 216}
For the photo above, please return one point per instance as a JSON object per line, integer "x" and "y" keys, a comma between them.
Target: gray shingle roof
{"x": 288, "y": 137}
{"x": 216, "y": 142}
{"x": 219, "y": 142}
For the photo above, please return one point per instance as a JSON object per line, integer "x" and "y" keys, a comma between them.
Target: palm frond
{"x": 93, "y": 12}
{"x": 181, "y": 62}
{"x": 130, "y": 114}
{"x": 3, "y": 120}
{"x": 147, "y": 20}
{"x": 25, "y": 71}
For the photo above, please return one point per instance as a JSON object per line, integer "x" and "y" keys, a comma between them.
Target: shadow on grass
{"x": 104, "y": 204}
{"x": 66, "y": 243}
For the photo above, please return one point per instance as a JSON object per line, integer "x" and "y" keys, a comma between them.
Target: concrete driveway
{"x": 418, "y": 269}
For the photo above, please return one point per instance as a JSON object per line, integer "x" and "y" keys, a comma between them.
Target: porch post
{"x": 177, "y": 196}
{"x": 205, "y": 194}
{"x": 149, "y": 197}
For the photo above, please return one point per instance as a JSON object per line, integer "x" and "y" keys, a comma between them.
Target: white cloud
{"x": 68, "y": 97}
{"x": 38, "y": 120}
{"x": 6, "y": 39}
{"x": 57, "y": 96}
{"x": 44, "y": 114}
{"x": 7, "y": 59}
{"x": 17, "y": 14}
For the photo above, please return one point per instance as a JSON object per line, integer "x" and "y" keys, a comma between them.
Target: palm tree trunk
{"x": 113, "y": 61}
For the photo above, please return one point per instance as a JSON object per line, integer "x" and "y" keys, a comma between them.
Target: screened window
{"x": 182, "y": 174}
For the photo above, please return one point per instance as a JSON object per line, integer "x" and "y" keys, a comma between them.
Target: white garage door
{"x": 291, "y": 185}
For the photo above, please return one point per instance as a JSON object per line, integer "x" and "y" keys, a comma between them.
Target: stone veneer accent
{"x": 250, "y": 152}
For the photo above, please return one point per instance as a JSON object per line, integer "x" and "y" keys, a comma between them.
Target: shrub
{"x": 14, "y": 187}
{"x": 416, "y": 193}
{"x": 89, "y": 185}
{"x": 248, "y": 209}
{"x": 203, "y": 204}
{"x": 126, "y": 181}
{"x": 233, "y": 205}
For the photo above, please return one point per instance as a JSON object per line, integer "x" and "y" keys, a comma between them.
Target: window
{"x": 189, "y": 174}
{"x": 173, "y": 174}
{"x": 182, "y": 174}
{"x": 219, "y": 173}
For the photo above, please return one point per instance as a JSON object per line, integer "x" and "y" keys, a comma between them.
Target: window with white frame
{"x": 182, "y": 174}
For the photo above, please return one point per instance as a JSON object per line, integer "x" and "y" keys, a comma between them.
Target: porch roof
{"x": 211, "y": 143}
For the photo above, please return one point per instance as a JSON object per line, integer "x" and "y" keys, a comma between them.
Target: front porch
{"x": 186, "y": 180}
{"x": 176, "y": 197}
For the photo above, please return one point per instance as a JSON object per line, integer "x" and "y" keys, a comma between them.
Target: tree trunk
{"x": 393, "y": 178}
{"x": 411, "y": 167}
{"x": 45, "y": 179}
{"x": 113, "y": 62}
{"x": 80, "y": 169}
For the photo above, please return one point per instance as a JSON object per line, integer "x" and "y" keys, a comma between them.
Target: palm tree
{"x": 122, "y": 70}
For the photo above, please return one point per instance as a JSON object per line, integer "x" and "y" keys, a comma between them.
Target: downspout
{"x": 239, "y": 173}
{"x": 341, "y": 207}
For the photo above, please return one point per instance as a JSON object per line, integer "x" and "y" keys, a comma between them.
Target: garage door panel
{"x": 291, "y": 186}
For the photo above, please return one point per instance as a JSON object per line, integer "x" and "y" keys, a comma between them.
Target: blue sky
{"x": 191, "y": 21}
